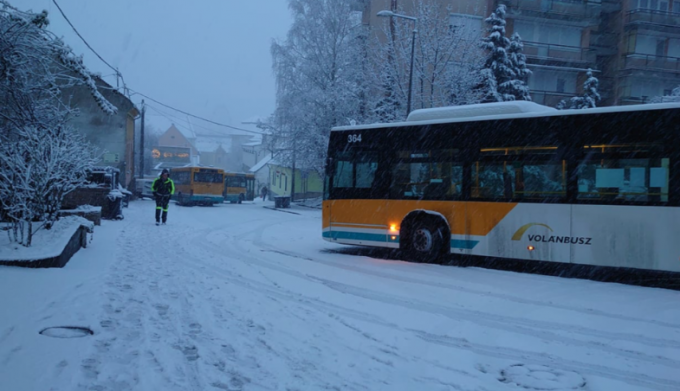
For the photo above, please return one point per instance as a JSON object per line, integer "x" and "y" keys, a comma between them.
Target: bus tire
{"x": 424, "y": 241}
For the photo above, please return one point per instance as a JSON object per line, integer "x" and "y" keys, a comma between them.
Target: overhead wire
{"x": 118, "y": 74}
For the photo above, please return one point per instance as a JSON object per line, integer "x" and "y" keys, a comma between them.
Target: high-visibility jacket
{"x": 161, "y": 187}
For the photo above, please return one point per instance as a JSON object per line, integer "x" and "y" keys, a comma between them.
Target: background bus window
{"x": 208, "y": 177}
{"x": 519, "y": 180}
{"x": 641, "y": 180}
{"x": 181, "y": 178}
{"x": 426, "y": 180}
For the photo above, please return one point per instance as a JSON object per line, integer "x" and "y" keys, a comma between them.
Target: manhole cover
{"x": 541, "y": 377}
{"x": 67, "y": 332}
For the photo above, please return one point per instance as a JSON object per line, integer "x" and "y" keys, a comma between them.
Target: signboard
{"x": 171, "y": 155}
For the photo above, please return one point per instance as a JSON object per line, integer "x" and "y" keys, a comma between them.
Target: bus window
{"x": 344, "y": 173}
{"x": 208, "y": 177}
{"x": 640, "y": 180}
{"x": 519, "y": 180}
{"x": 426, "y": 180}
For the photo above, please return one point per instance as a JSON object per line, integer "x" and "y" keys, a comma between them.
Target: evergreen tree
{"x": 588, "y": 100}
{"x": 506, "y": 64}
{"x": 519, "y": 63}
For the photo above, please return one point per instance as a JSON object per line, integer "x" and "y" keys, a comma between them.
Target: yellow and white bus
{"x": 239, "y": 187}
{"x": 198, "y": 185}
{"x": 515, "y": 181}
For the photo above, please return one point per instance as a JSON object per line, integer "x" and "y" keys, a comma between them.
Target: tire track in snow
{"x": 519, "y": 325}
{"x": 527, "y": 327}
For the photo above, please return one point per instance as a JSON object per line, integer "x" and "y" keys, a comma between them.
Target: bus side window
{"x": 640, "y": 180}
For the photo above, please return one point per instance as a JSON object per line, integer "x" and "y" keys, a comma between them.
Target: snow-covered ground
{"x": 240, "y": 297}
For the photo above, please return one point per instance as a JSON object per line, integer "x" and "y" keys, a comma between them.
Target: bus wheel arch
{"x": 423, "y": 236}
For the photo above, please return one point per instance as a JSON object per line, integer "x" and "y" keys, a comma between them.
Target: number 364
{"x": 354, "y": 138}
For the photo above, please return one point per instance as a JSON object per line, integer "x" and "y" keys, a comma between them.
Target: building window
{"x": 676, "y": 7}
{"x": 548, "y": 34}
{"x": 552, "y": 81}
{"x": 466, "y": 27}
{"x": 655, "y": 5}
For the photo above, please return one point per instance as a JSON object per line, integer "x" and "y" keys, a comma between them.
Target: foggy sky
{"x": 207, "y": 57}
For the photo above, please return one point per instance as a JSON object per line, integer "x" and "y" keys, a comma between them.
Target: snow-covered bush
{"x": 673, "y": 97}
{"x": 41, "y": 157}
{"x": 590, "y": 97}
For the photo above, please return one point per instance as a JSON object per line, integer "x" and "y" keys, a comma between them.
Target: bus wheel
{"x": 425, "y": 241}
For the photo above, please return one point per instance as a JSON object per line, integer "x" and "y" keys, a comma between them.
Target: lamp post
{"x": 390, "y": 14}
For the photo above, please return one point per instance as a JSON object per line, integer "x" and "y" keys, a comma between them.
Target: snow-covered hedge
{"x": 41, "y": 158}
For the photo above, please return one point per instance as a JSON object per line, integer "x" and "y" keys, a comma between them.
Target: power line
{"x": 195, "y": 116}
{"x": 118, "y": 74}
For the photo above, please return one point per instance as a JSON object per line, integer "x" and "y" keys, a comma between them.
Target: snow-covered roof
{"x": 547, "y": 112}
{"x": 252, "y": 144}
{"x": 263, "y": 162}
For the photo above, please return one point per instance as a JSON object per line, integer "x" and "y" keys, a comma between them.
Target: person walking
{"x": 264, "y": 193}
{"x": 163, "y": 187}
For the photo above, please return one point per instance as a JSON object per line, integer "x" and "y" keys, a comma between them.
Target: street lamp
{"x": 390, "y": 14}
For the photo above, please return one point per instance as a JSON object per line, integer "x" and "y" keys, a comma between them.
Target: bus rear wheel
{"x": 424, "y": 241}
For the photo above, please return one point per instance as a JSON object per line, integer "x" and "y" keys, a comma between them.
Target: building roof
{"x": 210, "y": 145}
{"x": 258, "y": 166}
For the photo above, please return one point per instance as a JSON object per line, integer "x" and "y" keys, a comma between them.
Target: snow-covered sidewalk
{"x": 241, "y": 297}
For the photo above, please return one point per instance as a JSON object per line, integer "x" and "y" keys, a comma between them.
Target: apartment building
{"x": 633, "y": 46}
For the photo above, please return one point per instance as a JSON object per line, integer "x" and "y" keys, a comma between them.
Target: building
{"x": 308, "y": 183}
{"x": 633, "y": 46}
{"x": 174, "y": 149}
{"x": 113, "y": 135}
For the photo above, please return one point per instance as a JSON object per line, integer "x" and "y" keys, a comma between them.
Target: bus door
{"x": 357, "y": 188}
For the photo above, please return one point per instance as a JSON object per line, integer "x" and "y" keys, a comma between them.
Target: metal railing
{"x": 558, "y": 52}
{"x": 571, "y": 8}
{"x": 650, "y": 61}
{"x": 661, "y": 18}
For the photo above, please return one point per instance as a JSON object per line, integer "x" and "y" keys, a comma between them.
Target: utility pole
{"x": 292, "y": 185}
{"x": 141, "y": 147}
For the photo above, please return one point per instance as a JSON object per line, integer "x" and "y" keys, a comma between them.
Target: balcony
{"x": 659, "y": 19}
{"x": 558, "y": 9}
{"x": 635, "y": 61}
{"x": 552, "y": 54}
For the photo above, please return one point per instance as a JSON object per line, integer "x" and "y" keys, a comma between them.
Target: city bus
{"x": 512, "y": 181}
{"x": 198, "y": 185}
{"x": 239, "y": 187}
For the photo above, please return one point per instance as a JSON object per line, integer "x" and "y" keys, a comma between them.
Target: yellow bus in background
{"x": 239, "y": 187}
{"x": 198, "y": 185}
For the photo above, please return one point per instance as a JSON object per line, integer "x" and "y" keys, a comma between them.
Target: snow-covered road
{"x": 240, "y": 297}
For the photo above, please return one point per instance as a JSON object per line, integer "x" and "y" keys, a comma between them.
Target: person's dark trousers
{"x": 162, "y": 203}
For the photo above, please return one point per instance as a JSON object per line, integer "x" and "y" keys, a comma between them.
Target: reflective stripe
{"x": 159, "y": 208}
{"x": 165, "y": 210}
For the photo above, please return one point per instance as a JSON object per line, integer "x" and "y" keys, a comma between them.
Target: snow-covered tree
{"x": 41, "y": 158}
{"x": 446, "y": 62}
{"x": 590, "y": 97}
{"x": 505, "y": 73}
{"x": 319, "y": 70}
{"x": 673, "y": 97}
